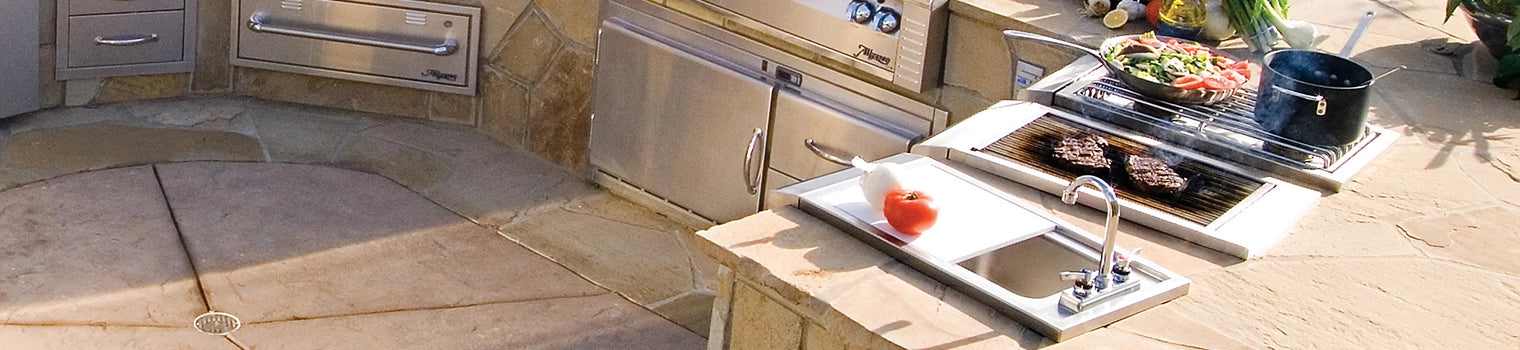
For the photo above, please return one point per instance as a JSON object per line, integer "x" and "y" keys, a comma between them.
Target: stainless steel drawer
{"x": 406, "y": 43}
{"x": 128, "y": 38}
{"x": 830, "y": 129}
{"x": 95, "y": 7}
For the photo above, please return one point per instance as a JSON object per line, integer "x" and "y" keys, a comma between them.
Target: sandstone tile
{"x": 560, "y": 107}
{"x": 970, "y": 62}
{"x": 643, "y": 263}
{"x": 1108, "y": 338}
{"x": 104, "y": 145}
{"x": 1469, "y": 236}
{"x": 905, "y": 308}
{"x": 312, "y": 90}
{"x": 62, "y": 118}
{"x": 451, "y": 108}
{"x": 109, "y": 337}
{"x": 760, "y": 323}
{"x": 793, "y": 253}
{"x": 448, "y": 142}
{"x": 817, "y": 338}
{"x": 408, "y": 166}
{"x": 592, "y": 322}
{"x": 79, "y": 92}
{"x": 210, "y": 114}
{"x": 1405, "y": 302}
{"x": 577, "y": 19}
{"x": 96, "y": 248}
{"x": 504, "y": 110}
{"x": 1493, "y": 165}
{"x": 528, "y": 48}
{"x": 494, "y": 190}
{"x": 1164, "y": 325}
{"x": 294, "y": 137}
{"x": 1486, "y": 110}
{"x": 143, "y": 87}
{"x": 213, "y": 69}
{"x": 497, "y": 17}
{"x": 269, "y": 250}
{"x": 12, "y": 175}
{"x": 692, "y": 310}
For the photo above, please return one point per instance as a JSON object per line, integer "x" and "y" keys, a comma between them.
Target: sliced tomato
{"x": 1243, "y": 72}
{"x": 1152, "y": 42}
{"x": 1218, "y": 82}
{"x": 1234, "y": 76}
{"x": 1190, "y": 82}
{"x": 1224, "y": 61}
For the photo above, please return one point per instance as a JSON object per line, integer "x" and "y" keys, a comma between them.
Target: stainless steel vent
{"x": 403, "y": 43}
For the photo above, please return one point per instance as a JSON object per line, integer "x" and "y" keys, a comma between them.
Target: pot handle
{"x": 1320, "y": 106}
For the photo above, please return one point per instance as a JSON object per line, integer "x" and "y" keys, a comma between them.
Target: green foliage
{"x": 1508, "y": 75}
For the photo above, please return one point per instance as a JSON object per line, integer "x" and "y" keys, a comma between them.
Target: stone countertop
{"x": 1416, "y": 252}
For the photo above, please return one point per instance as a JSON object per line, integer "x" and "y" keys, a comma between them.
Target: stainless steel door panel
{"x": 18, "y": 54}
{"x": 358, "y": 38}
{"x": 677, "y": 125}
{"x": 92, "y": 7}
{"x": 799, "y": 119}
{"x": 126, "y": 38}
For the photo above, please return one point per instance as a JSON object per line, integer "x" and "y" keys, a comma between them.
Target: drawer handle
{"x": 126, "y": 40}
{"x": 256, "y": 23}
{"x": 819, "y": 151}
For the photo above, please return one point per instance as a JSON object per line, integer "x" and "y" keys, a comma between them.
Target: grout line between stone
{"x": 435, "y": 308}
{"x": 205, "y": 297}
{"x": 92, "y": 325}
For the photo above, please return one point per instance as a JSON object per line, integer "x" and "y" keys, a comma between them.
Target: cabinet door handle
{"x": 256, "y": 24}
{"x": 751, "y": 176}
{"x": 826, "y": 155}
{"x": 126, "y": 40}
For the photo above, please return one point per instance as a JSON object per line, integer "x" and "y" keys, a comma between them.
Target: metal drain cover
{"x": 217, "y": 323}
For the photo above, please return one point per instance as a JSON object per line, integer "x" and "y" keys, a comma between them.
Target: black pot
{"x": 1490, "y": 26}
{"x": 1313, "y": 97}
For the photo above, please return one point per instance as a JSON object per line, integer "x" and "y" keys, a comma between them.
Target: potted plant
{"x": 1494, "y": 22}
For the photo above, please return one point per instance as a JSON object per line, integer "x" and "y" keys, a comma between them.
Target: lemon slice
{"x": 1115, "y": 19}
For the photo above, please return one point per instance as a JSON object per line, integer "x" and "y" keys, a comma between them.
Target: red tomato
{"x": 910, "y": 212}
{"x": 1217, "y": 82}
{"x": 1190, "y": 82}
{"x": 1234, "y": 76}
{"x": 1241, "y": 65}
{"x": 1153, "y": 13}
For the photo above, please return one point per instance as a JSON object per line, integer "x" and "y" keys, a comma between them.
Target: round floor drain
{"x": 217, "y": 323}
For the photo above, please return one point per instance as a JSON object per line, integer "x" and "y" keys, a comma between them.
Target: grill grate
{"x": 1229, "y": 120}
{"x": 1211, "y": 191}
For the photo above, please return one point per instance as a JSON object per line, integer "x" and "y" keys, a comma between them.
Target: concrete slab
{"x": 100, "y": 146}
{"x": 603, "y": 321}
{"x": 91, "y": 249}
{"x": 109, "y": 337}
{"x": 282, "y": 242}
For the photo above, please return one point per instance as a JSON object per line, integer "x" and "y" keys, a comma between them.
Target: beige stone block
{"x": 105, "y": 145}
{"x": 497, "y": 17}
{"x": 761, "y": 323}
{"x": 80, "y": 92}
{"x": 292, "y": 137}
{"x": 976, "y": 58}
{"x": 1469, "y": 236}
{"x": 504, "y": 110}
{"x": 817, "y": 338}
{"x": 52, "y": 90}
{"x": 801, "y": 256}
{"x": 57, "y": 337}
{"x": 621, "y": 246}
{"x": 560, "y": 107}
{"x": 351, "y": 95}
{"x": 962, "y": 103}
{"x": 576, "y": 18}
{"x": 213, "y": 71}
{"x": 408, "y": 166}
{"x": 143, "y": 87}
{"x": 528, "y": 48}
{"x": 906, "y": 308}
{"x": 451, "y": 108}
{"x": 692, "y": 310}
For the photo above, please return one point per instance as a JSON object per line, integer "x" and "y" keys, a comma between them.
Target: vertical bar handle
{"x": 751, "y": 175}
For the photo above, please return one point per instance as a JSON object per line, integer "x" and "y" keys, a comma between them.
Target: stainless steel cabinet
{"x": 679, "y": 126}
{"x": 100, "y": 38}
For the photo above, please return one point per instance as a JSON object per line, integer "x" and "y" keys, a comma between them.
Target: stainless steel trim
{"x": 136, "y": 39}
{"x": 752, "y": 177}
{"x": 256, "y": 23}
{"x": 818, "y": 150}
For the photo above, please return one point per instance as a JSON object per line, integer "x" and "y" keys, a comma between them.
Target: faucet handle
{"x": 1086, "y": 280}
{"x": 1122, "y": 259}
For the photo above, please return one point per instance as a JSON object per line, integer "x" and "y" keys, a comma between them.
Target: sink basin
{"x": 991, "y": 247}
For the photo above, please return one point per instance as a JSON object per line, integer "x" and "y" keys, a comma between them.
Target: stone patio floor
{"x": 321, "y": 229}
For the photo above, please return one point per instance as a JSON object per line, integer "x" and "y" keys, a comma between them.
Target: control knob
{"x": 861, "y": 11}
{"x": 887, "y": 20}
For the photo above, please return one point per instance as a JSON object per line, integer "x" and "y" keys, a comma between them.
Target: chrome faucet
{"x": 1104, "y": 275}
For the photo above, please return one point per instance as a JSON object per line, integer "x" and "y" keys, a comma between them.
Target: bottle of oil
{"x": 1182, "y": 19}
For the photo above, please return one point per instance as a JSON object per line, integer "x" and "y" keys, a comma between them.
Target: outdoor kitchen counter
{"x": 1416, "y": 252}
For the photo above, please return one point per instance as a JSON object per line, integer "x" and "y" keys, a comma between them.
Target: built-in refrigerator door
{"x": 18, "y": 53}
{"x": 678, "y": 125}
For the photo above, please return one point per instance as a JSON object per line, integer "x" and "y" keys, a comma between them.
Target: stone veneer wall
{"x": 535, "y": 77}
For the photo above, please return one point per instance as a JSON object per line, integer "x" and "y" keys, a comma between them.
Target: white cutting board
{"x": 972, "y": 220}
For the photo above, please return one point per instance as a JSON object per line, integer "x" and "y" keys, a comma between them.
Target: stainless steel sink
{"x": 1004, "y": 254}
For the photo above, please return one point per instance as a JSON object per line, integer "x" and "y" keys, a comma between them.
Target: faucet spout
{"x": 1110, "y": 226}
